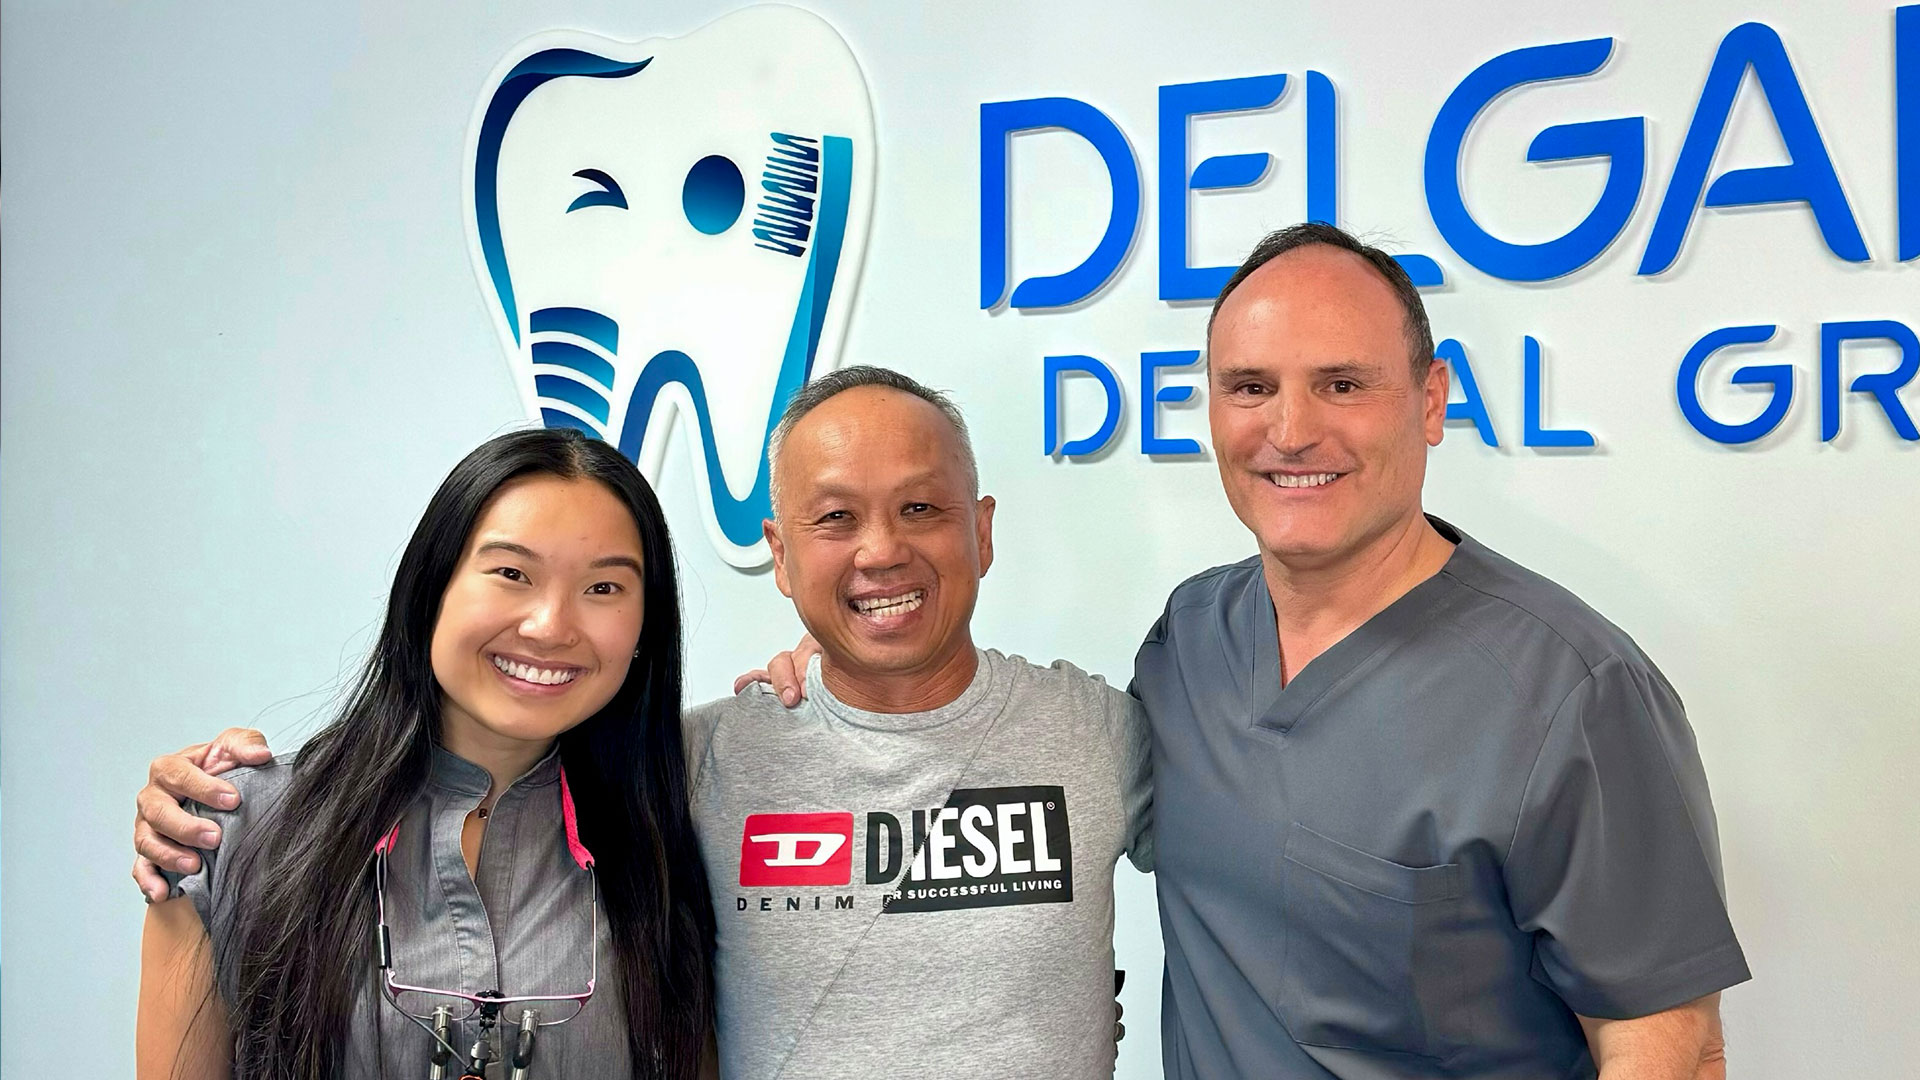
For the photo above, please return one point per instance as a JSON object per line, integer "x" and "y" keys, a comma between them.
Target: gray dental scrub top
{"x": 1477, "y": 815}
{"x": 519, "y": 924}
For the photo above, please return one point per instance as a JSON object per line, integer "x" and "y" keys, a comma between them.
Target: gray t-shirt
{"x": 925, "y": 894}
{"x": 1480, "y": 813}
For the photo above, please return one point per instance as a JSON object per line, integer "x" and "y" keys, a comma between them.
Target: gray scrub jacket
{"x": 1476, "y": 816}
{"x": 519, "y": 924}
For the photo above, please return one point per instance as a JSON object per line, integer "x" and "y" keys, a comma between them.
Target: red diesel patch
{"x": 796, "y": 849}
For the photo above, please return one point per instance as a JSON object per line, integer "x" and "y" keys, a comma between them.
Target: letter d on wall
{"x": 1055, "y": 367}
{"x": 999, "y": 120}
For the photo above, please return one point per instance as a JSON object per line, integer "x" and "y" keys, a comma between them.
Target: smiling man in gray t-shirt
{"x": 914, "y": 869}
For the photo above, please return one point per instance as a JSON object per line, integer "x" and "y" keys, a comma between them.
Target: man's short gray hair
{"x": 816, "y": 391}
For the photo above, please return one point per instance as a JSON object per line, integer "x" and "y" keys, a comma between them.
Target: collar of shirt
{"x": 986, "y": 694}
{"x": 455, "y": 775}
{"x": 1278, "y": 708}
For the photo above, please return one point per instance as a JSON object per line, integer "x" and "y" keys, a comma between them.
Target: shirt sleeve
{"x": 202, "y": 887}
{"x": 1615, "y": 861}
{"x": 697, "y": 727}
{"x": 1127, "y": 724}
{"x": 1139, "y": 800}
{"x": 260, "y": 790}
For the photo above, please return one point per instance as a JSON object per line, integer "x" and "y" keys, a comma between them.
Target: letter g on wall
{"x": 671, "y": 229}
{"x": 1621, "y": 140}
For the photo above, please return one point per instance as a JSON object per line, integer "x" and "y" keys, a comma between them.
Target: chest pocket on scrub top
{"x": 1366, "y": 965}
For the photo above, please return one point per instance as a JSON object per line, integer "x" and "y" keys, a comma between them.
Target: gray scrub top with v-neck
{"x": 518, "y": 924}
{"x": 1476, "y": 816}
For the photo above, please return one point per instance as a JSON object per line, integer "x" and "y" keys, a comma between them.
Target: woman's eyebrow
{"x": 510, "y": 547}
{"x": 526, "y": 552}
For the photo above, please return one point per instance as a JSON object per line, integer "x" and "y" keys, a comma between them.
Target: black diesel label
{"x": 988, "y": 847}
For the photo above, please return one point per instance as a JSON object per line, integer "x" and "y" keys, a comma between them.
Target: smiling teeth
{"x": 882, "y": 606}
{"x": 529, "y": 673}
{"x": 1309, "y": 480}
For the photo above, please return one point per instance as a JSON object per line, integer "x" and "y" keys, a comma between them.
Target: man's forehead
{"x": 1318, "y": 278}
{"x": 846, "y": 479}
{"x": 870, "y": 438}
{"x": 1310, "y": 297}
{"x": 872, "y": 413}
{"x": 809, "y": 479}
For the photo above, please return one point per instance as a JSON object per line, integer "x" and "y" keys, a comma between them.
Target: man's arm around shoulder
{"x": 164, "y": 833}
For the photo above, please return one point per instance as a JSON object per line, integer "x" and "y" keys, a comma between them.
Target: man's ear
{"x": 1434, "y": 406}
{"x": 770, "y": 528}
{"x": 983, "y": 531}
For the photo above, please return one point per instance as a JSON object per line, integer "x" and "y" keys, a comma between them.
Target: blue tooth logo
{"x": 584, "y": 377}
{"x": 669, "y": 232}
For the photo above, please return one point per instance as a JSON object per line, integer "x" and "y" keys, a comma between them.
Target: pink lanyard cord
{"x": 581, "y": 856}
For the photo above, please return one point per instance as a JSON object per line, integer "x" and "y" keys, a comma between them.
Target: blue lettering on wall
{"x": 1536, "y": 433}
{"x": 1883, "y": 385}
{"x": 1809, "y": 177}
{"x": 1178, "y": 103}
{"x": 1156, "y": 395}
{"x": 1323, "y": 150}
{"x": 999, "y": 120}
{"x": 1906, "y": 111}
{"x": 1323, "y": 174}
{"x": 1686, "y": 385}
{"x": 1620, "y": 141}
{"x": 1053, "y": 369}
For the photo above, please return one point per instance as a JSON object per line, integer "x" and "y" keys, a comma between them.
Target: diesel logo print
{"x": 988, "y": 847}
{"x": 796, "y": 849}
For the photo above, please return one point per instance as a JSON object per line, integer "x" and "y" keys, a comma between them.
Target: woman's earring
{"x": 636, "y": 653}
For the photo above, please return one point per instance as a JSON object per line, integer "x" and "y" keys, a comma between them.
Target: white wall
{"x": 242, "y": 342}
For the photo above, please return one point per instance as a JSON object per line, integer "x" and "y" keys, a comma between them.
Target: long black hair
{"x": 299, "y": 947}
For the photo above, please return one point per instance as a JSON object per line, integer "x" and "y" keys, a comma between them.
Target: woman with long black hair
{"x": 486, "y": 859}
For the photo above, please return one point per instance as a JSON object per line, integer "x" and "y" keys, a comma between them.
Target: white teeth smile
{"x": 882, "y": 606}
{"x": 529, "y": 673}
{"x": 1309, "y": 480}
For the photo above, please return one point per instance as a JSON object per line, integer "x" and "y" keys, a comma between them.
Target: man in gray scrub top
{"x": 1420, "y": 811}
